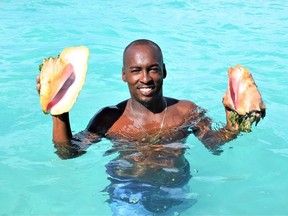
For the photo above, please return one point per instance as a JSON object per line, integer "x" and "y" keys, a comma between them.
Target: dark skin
{"x": 146, "y": 120}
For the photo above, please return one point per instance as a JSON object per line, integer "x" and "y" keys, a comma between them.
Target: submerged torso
{"x": 153, "y": 156}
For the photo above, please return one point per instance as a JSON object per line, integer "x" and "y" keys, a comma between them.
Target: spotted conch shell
{"x": 243, "y": 97}
{"x": 62, "y": 79}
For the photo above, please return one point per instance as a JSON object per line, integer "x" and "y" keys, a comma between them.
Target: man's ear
{"x": 164, "y": 71}
{"x": 124, "y": 75}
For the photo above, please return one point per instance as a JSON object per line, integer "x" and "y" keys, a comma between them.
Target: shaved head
{"x": 142, "y": 42}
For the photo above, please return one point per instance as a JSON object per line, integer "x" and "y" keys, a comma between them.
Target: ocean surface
{"x": 200, "y": 40}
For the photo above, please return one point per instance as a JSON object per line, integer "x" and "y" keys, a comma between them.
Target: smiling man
{"x": 147, "y": 116}
{"x": 148, "y": 131}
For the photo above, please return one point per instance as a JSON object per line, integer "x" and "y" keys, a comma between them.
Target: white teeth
{"x": 145, "y": 90}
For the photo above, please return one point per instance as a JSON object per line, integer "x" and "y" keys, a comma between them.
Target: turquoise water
{"x": 200, "y": 41}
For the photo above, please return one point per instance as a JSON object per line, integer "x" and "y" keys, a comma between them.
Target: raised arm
{"x": 243, "y": 106}
{"x": 61, "y": 128}
{"x": 213, "y": 134}
{"x": 61, "y": 124}
{"x": 68, "y": 145}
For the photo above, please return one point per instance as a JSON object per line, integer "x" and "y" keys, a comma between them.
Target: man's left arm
{"x": 211, "y": 137}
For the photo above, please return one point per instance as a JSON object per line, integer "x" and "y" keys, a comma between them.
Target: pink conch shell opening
{"x": 243, "y": 99}
{"x": 242, "y": 94}
{"x": 62, "y": 78}
{"x": 69, "y": 80}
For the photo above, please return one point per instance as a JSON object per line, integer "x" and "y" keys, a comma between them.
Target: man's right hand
{"x": 38, "y": 85}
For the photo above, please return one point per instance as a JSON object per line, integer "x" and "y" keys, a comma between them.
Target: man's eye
{"x": 135, "y": 71}
{"x": 155, "y": 69}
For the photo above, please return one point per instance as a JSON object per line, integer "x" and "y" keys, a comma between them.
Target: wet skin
{"x": 146, "y": 115}
{"x": 148, "y": 133}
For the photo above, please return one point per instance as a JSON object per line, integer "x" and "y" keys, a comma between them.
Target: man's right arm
{"x": 61, "y": 128}
{"x": 71, "y": 146}
{"x": 68, "y": 145}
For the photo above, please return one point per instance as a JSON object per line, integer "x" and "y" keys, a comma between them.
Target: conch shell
{"x": 243, "y": 98}
{"x": 62, "y": 79}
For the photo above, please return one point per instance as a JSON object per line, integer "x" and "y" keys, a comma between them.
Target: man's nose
{"x": 146, "y": 76}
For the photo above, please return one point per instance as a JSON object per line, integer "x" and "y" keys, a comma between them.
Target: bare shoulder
{"x": 182, "y": 106}
{"x": 186, "y": 104}
{"x": 105, "y": 118}
{"x": 182, "y": 112}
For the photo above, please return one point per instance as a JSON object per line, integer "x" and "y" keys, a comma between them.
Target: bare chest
{"x": 173, "y": 128}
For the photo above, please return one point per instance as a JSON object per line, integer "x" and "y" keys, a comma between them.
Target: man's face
{"x": 144, "y": 71}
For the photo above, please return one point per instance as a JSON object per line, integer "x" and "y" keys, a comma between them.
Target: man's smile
{"x": 146, "y": 90}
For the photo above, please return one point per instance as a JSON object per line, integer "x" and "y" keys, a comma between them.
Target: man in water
{"x": 147, "y": 116}
{"x": 149, "y": 130}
